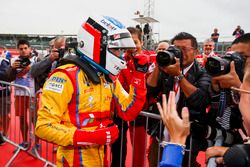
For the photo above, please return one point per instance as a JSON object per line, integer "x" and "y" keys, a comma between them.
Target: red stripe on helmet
{"x": 97, "y": 41}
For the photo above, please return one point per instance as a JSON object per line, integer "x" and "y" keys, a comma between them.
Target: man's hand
{"x": 227, "y": 80}
{"x": 54, "y": 55}
{"x": 216, "y": 151}
{"x": 16, "y": 64}
{"x": 141, "y": 62}
{"x": 178, "y": 128}
{"x": 174, "y": 69}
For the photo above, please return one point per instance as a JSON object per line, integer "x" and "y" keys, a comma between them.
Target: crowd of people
{"x": 95, "y": 86}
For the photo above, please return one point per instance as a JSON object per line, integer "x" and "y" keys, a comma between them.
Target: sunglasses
{"x": 236, "y": 92}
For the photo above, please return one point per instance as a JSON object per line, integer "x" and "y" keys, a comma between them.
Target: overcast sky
{"x": 198, "y": 17}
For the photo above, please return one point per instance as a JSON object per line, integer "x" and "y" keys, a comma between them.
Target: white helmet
{"x": 95, "y": 39}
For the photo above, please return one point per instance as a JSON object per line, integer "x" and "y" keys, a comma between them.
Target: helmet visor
{"x": 121, "y": 40}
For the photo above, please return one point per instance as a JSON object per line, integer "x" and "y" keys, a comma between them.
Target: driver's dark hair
{"x": 183, "y": 36}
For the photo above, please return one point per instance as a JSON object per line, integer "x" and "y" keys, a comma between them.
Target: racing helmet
{"x": 97, "y": 39}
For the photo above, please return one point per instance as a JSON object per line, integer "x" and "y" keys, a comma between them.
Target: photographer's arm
{"x": 11, "y": 71}
{"x": 152, "y": 79}
{"x": 41, "y": 66}
{"x": 234, "y": 33}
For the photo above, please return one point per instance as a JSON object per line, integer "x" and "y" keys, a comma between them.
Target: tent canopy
{"x": 144, "y": 20}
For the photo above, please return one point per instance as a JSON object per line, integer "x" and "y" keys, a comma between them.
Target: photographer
{"x": 190, "y": 82}
{"x": 41, "y": 69}
{"x": 238, "y": 32}
{"x": 227, "y": 71}
{"x": 20, "y": 72}
{"x": 237, "y": 155}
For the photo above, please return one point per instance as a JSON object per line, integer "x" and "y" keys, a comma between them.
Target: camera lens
{"x": 165, "y": 58}
{"x": 216, "y": 66}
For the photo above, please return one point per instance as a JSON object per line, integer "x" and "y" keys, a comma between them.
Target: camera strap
{"x": 224, "y": 112}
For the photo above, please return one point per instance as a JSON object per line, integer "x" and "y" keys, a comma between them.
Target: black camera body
{"x": 71, "y": 43}
{"x": 167, "y": 57}
{"x": 216, "y": 66}
{"x": 24, "y": 60}
{"x": 61, "y": 52}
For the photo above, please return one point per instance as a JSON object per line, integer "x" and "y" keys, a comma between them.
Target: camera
{"x": 202, "y": 130}
{"x": 71, "y": 43}
{"x": 167, "y": 57}
{"x": 216, "y": 66}
{"x": 70, "y": 46}
{"x": 24, "y": 60}
{"x": 61, "y": 52}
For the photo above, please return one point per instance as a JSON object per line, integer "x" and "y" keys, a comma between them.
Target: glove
{"x": 141, "y": 62}
{"x": 105, "y": 133}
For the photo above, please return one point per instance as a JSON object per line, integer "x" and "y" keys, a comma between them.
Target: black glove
{"x": 141, "y": 62}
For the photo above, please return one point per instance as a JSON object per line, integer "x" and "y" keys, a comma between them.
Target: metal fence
{"x": 18, "y": 117}
{"x": 11, "y": 105}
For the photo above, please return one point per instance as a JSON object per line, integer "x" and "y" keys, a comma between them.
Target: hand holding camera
{"x": 56, "y": 54}
{"x": 227, "y": 80}
{"x": 174, "y": 69}
{"x": 227, "y": 70}
{"x": 21, "y": 62}
{"x": 169, "y": 60}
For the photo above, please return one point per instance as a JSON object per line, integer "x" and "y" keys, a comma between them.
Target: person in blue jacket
{"x": 178, "y": 128}
{"x": 4, "y": 99}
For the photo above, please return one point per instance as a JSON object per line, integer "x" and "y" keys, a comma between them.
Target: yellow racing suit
{"x": 70, "y": 103}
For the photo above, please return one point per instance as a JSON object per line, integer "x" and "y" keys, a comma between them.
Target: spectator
{"x": 215, "y": 35}
{"x": 138, "y": 27}
{"x": 152, "y": 123}
{"x": 178, "y": 129}
{"x": 190, "y": 83}
{"x": 229, "y": 49}
{"x": 137, "y": 129}
{"x": 163, "y": 45}
{"x": 238, "y": 32}
{"x": 76, "y": 111}
{"x": 146, "y": 31}
{"x": 6, "y": 54}
{"x": 208, "y": 50}
{"x": 242, "y": 46}
{"x": 20, "y": 71}
{"x": 34, "y": 52}
{"x": 4, "y": 99}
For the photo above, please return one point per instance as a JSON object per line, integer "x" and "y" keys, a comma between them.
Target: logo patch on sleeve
{"x": 54, "y": 87}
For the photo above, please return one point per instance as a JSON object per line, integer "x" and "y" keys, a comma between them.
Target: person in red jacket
{"x": 137, "y": 128}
